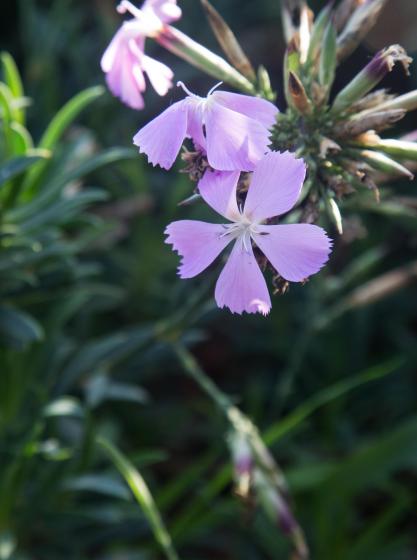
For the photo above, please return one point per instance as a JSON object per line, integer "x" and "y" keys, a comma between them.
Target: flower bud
{"x": 408, "y": 102}
{"x": 197, "y": 55}
{"x": 382, "y": 162}
{"x": 243, "y": 463}
{"x": 382, "y": 63}
{"x": 373, "y": 121}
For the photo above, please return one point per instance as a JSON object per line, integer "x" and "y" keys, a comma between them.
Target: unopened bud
{"x": 371, "y": 121}
{"x": 382, "y": 162}
{"x": 408, "y": 102}
{"x": 399, "y": 148}
{"x": 334, "y": 214}
{"x": 382, "y": 63}
{"x": 243, "y": 463}
{"x": 298, "y": 94}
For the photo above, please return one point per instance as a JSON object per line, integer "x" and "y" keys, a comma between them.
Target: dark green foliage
{"x": 90, "y": 309}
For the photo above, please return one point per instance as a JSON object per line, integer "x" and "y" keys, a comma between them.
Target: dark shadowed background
{"x": 351, "y": 463}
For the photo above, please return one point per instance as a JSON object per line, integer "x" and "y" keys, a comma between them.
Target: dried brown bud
{"x": 358, "y": 26}
{"x": 228, "y": 42}
{"x": 371, "y": 100}
{"x": 298, "y": 94}
{"x": 344, "y": 11}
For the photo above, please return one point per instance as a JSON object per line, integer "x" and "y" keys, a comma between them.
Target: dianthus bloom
{"x": 296, "y": 251}
{"x": 125, "y": 62}
{"x": 233, "y": 130}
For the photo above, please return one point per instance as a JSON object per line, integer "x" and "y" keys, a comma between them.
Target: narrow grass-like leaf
{"x": 59, "y": 124}
{"x": 19, "y": 328}
{"x": 16, "y": 166}
{"x": 143, "y": 496}
{"x": 327, "y": 395}
{"x": 14, "y": 82}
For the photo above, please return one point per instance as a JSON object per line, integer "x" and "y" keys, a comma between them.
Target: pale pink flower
{"x": 233, "y": 129}
{"x": 125, "y": 62}
{"x": 296, "y": 251}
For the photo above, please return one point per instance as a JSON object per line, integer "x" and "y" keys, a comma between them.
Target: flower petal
{"x": 159, "y": 75}
{"x": 218, "y": 188}
{"x": 241, "y": 285}
{"x": 234, "y": 141}
{"x": 253, "y": 107}
{"x": 198, "y": 243}
{"x": 195, "y": 123}
{"x": 296, "y": 251}
{"x": 162, "y": 138}
{"x": 275, "y": 187}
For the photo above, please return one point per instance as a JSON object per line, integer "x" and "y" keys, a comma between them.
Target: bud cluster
{"x": 340, "y": 139}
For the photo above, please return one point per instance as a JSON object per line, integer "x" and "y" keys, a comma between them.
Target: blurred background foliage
{"x": 90, "y": 307}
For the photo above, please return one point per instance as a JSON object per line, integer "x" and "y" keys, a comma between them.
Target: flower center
{"x": 243, "y": 231}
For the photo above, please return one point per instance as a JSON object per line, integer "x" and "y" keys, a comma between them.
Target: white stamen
{"x": 213, "y": 89}
{"x": 187, "y": 91}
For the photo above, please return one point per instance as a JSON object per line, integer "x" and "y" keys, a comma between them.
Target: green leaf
{"x": 59, "y": 124}
{"x": 100, "y": 484}
{"x": 18, "y": 328}
{"x": 54, "y": 187}
{"x": 13, "y": 81}
{"x": 143, "y": 496}
{"x": 16, "y": 166}
{"x": 327, "y": 395}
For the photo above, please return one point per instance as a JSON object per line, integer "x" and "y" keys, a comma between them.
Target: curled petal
{"x": 234, "y": 141}
{"x": 296, "y": 251}
{"x": 162, "y": 138}
{"x": 241, "y": 285}
{"x": 275, "y": 187}
{"x": 198, "y": 243}
{"x": 258, "y": 109}
{"x": 166, "y": 10}
{"x": 218, "y": 188}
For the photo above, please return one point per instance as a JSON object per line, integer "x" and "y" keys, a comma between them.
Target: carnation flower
{"x": 296, "y": 251}
{"x": 125, "y": 62}
{"x": 233, "y": 129}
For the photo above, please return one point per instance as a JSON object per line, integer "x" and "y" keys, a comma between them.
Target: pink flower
{"x": 296, "y": 251}
{"x": 125, "y": 62}
{"x": 232, "y": 128}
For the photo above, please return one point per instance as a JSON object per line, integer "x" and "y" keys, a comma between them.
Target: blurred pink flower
{"x": 296, "y": 251}
{"x": 232, "y": 128}
{"x": 125, "y": 62}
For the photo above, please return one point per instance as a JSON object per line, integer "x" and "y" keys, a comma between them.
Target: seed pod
{"x": 358, "y": 26}
{"x": 382, "y": 63}
{"x": 228, "y": 42}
